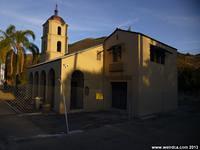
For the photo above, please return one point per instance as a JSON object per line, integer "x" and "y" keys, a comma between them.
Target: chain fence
{"x": 19, "y": 98}
{"x": 33, "y": 103}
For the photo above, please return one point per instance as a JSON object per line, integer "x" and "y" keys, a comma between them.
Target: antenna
{"x": 56, "y": 10}
{"x": 128, "y": 28}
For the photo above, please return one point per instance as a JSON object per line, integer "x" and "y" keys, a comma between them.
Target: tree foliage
{"x": 188, "y": 73}
{"x": 13, "y": 47}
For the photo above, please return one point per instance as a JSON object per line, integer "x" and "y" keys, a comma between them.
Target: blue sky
{"x": 174, "y": 22}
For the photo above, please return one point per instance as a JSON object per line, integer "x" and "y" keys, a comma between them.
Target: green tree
{"x": 17, "y": 41}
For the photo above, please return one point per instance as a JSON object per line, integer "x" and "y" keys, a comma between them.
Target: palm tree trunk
{"x": 22, "y": 62}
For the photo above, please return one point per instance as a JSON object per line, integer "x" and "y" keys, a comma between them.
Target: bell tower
{"x": 54, "y": 38}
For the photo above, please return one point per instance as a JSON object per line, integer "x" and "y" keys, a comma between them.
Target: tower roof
{"x": 56, "y": 16}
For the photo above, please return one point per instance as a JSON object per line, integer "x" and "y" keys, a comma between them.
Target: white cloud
{"x": 22, "y": 17}
{"x": 128, "y": 23}
{"x": 181, "y": 20}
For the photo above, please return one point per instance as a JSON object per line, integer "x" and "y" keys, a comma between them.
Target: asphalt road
{"x": 101, "y": 130}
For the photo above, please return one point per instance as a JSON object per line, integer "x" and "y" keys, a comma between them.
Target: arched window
{"x": 59, "y": 30}
{"x": 58, "y": 46}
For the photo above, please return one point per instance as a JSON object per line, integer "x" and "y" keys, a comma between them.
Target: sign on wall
{"x": 99, "y": 96}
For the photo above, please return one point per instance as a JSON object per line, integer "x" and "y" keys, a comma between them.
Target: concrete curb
{"x": 43, "y": 136}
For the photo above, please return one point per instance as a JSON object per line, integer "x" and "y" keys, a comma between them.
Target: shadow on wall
{"x": 158, "y": 81}
{"x": 81, "y": 89}
{"x": 84, "y": 74}
{"x": 83, "y": 81}
{"x": 42, "y": 85}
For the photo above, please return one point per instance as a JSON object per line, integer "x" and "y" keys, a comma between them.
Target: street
{"x": 99, "y": 130}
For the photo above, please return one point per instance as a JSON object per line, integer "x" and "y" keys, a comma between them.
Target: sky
{"x": 174, "y": 22}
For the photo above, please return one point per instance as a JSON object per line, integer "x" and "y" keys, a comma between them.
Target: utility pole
{"x": 65, "y": 108}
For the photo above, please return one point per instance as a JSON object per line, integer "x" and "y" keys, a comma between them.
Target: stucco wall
{"x": 157, "y": 82}
{"x": 86, "y": 62}
{"x": 50, "y": 39}
{"x": 55, "y": 65}
{"x": 53, "y": 37}
{"x": 152, "y": 87}
{"x": 130, "y": 68}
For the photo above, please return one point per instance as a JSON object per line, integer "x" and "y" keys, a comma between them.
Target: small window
{"x": 157, "y": 54}
{"x": 87, "y": 91}
{"x": 59, "y": 30}
{"x": 116, "y": 53}
{"x": 99, "y": 55}
{"x": 58, "y": 46}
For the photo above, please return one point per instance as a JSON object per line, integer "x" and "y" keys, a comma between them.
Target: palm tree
{"x": 5, "y": 39}
{"x": 18, "y": 42}
{"x": 35, "y": 51}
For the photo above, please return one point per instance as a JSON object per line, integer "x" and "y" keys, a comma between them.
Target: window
{"x": 116, "y": 53}
{"x": 58, "y": 46}
{"x": 59, "y": 30}
{"x": 157, "y": 54}
{"x": 87, "y": 91}
{"x": 99, "y": 55}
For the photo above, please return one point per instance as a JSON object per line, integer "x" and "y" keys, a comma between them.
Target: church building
{"x": 126, "y": 70}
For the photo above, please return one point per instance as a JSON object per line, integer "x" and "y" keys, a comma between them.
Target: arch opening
{"x": 58, "y": 46}
{"x": 36, "y": 86}
{"x": 59, "y": 30}
{"x": 30, "y": 85}
{"x": 77, "y": 86}
{"x": 51, "y": 87}
{"x": 43, "y": 86}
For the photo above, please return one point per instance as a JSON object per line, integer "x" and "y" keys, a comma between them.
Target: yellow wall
{"x": 152, "y": 88}
{"x": 50, "y": 39}
{"x": 55, "y": 65}
{"x": 85, "y": 61}
{"x": 157, "y": 82}
{"x": 130, "y": 68}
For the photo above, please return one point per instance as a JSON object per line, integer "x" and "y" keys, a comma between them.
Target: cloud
{"x": 182, "y": 20}
{"x": 86, "y": 27}
{"x": 128, "y": 23}
{"x": 191, "y": 42}
{"x": 76, "y": 27}
{"x": 22, "y": 17}
{"x": 171, "y": 18}
{"x": 101, "y": 25}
